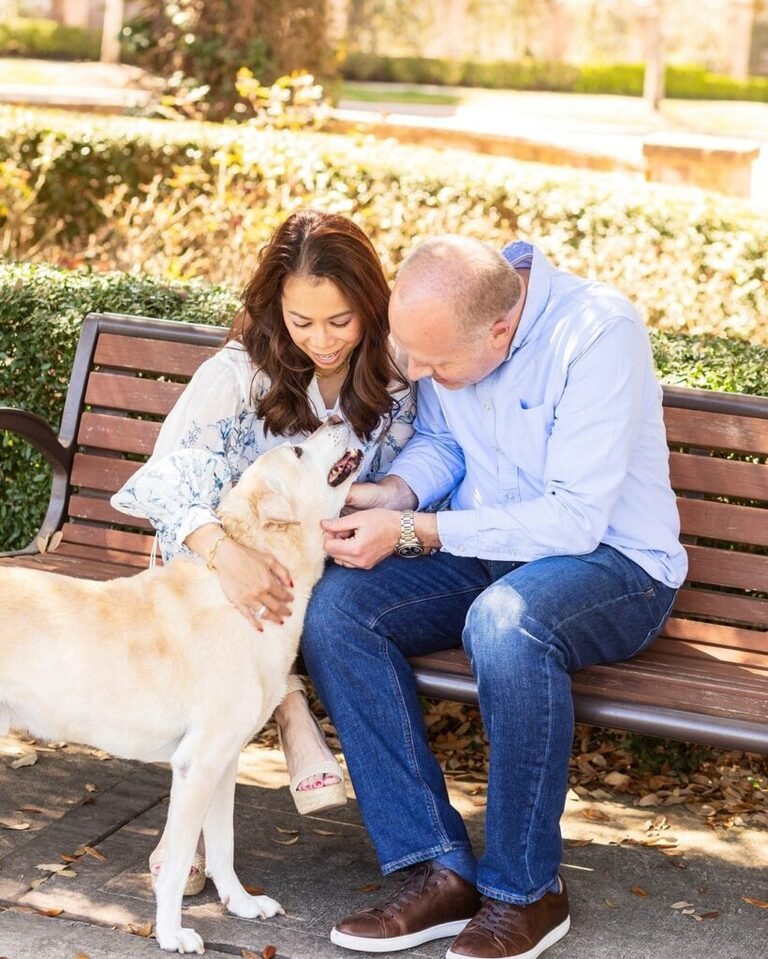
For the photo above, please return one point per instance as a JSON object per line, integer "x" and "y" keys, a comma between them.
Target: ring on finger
{"x": 259, "y": 611}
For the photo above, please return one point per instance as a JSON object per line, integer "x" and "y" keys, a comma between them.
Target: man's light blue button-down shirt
{"x": 563, "y": 446}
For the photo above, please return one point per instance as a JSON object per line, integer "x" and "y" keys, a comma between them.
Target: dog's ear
{"x": 274, "y": 508}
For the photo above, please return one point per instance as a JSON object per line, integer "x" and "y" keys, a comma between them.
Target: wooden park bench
{"x": 704, "y": 680}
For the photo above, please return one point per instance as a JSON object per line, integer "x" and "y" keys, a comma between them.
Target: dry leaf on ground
{"x": 286, "y": 842}
{"x": 639, "y": 891}
{"x": 144, "y": 929}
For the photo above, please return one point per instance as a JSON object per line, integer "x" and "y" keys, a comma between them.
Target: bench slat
{"x": 118, "y": 433}
{"x": 721, "y": 431}
{"x": 150, "y": 356}
{"x": 99, "y": 510}
{"x": 119, "y": 391}
{"x": 75, "y": 566}
{"x": 723, "y": 567}
{"x": 723, "y": 606}
{"x": 725, "y": 521}
{"x": 105, "y": 538}
{"x": 727, "y": 644}
{"x": 720, "y": 477}
{"x": 114, "y": 556}
{"x": 107, "y": 473}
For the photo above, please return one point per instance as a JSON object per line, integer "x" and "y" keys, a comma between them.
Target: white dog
{"x": 162, "y": 667}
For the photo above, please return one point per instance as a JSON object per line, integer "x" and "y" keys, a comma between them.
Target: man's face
{"x": 425, "y": 329}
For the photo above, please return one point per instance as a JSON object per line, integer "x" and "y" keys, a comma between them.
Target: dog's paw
{"x": 253, "y": 907}
{"x": 180, "y": 940}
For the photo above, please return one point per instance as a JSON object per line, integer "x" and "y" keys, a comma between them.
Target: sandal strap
{"x": 328, "y": 767}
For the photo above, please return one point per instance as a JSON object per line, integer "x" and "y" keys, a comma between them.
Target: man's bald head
{"x": 471, "y": 276}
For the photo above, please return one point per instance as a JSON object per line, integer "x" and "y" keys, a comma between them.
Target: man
{"x": 540, "y": 416}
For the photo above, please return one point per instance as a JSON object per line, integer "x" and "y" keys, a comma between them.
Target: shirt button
{"x": 486, "y": 406}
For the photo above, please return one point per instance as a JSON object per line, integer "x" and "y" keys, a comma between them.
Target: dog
{"x": 162, "y": 667}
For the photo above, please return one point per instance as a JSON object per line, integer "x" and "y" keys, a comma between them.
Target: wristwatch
{"x": 409, "y": 545}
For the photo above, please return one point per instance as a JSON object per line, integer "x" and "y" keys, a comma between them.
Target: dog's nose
{"x": 334, "y": 420}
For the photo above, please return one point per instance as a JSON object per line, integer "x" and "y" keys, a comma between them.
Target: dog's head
{"x": 295, "y": 485}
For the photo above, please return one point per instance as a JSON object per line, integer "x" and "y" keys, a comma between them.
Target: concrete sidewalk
{"x": 322, "y": 867}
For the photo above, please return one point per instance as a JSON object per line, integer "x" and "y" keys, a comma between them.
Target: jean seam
{"x": 408, "y": 734}
{"x": 415, "y": 602}
{"x": 423, "y": 855}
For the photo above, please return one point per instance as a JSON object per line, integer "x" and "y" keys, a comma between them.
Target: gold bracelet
{"x": 212, "y": 551}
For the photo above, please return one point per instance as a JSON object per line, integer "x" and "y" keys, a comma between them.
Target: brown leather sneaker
{"x": 433, "y": 903}
{"x": 502, "y": 930}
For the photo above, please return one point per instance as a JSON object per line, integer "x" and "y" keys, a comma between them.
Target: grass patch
{"x": 409, "y": 95}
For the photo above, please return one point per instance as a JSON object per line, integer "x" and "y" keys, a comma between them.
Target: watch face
{"x": 410, "y": 551}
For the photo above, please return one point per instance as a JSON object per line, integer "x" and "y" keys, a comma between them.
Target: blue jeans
{"x": 525, "y": 628}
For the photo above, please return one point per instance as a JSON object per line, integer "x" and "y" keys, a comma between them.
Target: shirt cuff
{"x": 193, "y": 519}
{"x": 458, "y": 532}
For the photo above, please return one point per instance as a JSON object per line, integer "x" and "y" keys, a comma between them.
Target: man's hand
{"x": 362, "y": 539}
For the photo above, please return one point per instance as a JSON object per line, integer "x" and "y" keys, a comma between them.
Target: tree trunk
{"x": 653, "y": 82}
{"x": 114, "y": 11}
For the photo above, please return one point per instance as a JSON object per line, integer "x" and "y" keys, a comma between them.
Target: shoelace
{"x": 494, "y": 915}
{"x": 413, "y": 887}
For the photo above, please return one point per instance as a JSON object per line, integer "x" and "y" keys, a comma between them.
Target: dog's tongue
{"x": 344, "y": 467}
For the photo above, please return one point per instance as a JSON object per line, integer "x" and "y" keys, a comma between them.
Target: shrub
{"x": 41, "y": 309}
{"x": 206, "y": 43}
{"x": 626, "y": 79}
{"x": 196, "y": 200}
{"x": 27, "y": 37}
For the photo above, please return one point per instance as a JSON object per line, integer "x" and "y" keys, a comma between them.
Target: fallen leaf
{"x": 66, "y": 858}
{"x": 639, "y": 891}
{"x": 38, "y": 882}
{"x": 51, "y": 866}
{"x": 323, "y": 832}
{"x": 619, "y": 780}
{"x": 649, "y": 799}
{"x": 13, "y": 825}
{"x": 28, "y": 759}
{"x": 709, "y": 915}
{"x": 247, "y": 954}
{"x": 286, "y": 842}
{"x": 55, "y": 540}
{"x": 681, "y": 905}
{"x": 91, "y": 788}
{"x": 144, "y": 930}
{"x": 760, "y": 903}
{"x": 50, "y": 912}
{"x": 371, "y": 887}
{"x": 254, "y": 890}
{"x": 596, "y": 815}
{"x": 611, "y": 903}
{"x": 100, "y": 754}
{"x": 82, "y": 955}
{"x": 268, "y": 952}
{"x": 90, "y": 851}
{"x": 287, "y": 832}
{"x": 31, "y": 809}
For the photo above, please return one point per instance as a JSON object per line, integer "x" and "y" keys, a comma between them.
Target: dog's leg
{"x": 195, "y": 768}
{"x": 218, "y": 830}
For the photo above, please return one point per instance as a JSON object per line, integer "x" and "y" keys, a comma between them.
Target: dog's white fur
{"x": 162, "y": 667}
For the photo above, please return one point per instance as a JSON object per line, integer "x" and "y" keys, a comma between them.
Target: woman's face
{"x": 320, "y": 321}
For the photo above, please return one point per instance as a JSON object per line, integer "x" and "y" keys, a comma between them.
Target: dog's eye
{"x": 298, "y": 451}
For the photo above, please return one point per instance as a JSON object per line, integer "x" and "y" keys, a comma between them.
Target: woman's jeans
{"x": 525, "y": 627}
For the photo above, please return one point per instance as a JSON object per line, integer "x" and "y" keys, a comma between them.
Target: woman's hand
{"x": 391, "y": 492}
{"x": 255, "y": 582}
{"x": 252, "y": 580}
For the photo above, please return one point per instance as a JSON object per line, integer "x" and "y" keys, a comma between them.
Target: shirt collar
{"x": 527, "y": 256}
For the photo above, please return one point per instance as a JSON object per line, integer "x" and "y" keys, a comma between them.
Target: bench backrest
{"x": 129, "y": 371}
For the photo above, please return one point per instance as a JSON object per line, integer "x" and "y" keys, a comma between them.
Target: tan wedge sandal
{"x": 329, "y": 796}
{"x": 196, "y": 879}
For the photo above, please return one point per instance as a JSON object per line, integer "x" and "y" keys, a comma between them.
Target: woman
{"x": 311, "y": 340}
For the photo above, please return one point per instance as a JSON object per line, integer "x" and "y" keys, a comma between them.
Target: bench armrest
{"x": 36, "y": 431}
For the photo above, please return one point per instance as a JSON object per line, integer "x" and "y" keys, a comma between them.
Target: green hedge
{"x": 196, "y": 200}
{"x": 682, "y": 82}
{"x": 41, "y": 309}
{"x": 28, "y": 37}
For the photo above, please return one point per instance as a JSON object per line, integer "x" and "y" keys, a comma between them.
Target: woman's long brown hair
{"x": 315, "y": 244}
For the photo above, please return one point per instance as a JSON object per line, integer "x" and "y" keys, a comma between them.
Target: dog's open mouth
{"x": 345, "y": 467}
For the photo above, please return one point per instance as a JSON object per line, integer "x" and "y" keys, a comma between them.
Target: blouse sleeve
{"x": 179, "y": 488}
{"x": 394, "y": 436}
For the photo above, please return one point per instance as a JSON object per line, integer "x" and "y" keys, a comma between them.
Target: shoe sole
{"x": 555, "y": 935}
{"x": 361, "y": 944}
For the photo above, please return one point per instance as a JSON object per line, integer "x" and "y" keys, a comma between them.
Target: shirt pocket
{"x": 526, "y": 437}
